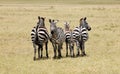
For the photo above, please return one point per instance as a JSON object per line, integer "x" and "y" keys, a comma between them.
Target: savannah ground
{"x": 103, "y": 47}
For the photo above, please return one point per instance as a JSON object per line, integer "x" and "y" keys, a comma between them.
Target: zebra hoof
{"x": 59, "y": 57}
{"x": 83, "y": 54}
{"x": 73, "y": 56}
{"x": 34, "y": 58}
{"x": 41, "y": 56}
{"x": 38, "y": 57}
{"x": 66, "y": 55}
{"x": 77, "y": 55}
{"x": 47, "y": 56}
{"x": 54, "y": 57}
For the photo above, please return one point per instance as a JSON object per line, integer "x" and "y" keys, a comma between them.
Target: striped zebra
{"x": 81, "y": 34}
{"x": 57, "y": 37}
{"x": 39, "y": 36}
{"x": 69, "y": 39}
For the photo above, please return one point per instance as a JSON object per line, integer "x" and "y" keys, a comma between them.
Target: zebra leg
{"x": 46, "y": 46}
{"x": 73, "y": 51}
{"x": 59, "y": 50}
{"x": 83, "y": 48}
{"x": 70, "y": 48}
{"x": 66, "y": 49}
{"x": 34, "y": 58}
{"x": 78, "y": 46}
{"x": 55, "y": 47}
{"x": 41, "y": 51}
{"x": 38, "y": 51}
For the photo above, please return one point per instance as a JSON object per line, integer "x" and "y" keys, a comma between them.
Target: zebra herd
{"x": 58, "y": 36}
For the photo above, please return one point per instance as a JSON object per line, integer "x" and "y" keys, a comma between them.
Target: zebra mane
{"x": 81, "y": 22}
{"x": 37, "y": 26}
{"x": 42, "y": 27}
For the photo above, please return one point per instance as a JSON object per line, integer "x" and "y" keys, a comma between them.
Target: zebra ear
{"x": 38, "y": 17}
{"x": 53, "y": 20}
{"x": 85, "y": 18}
{"x": 81, "y": 19}
{"x": 50, "y": 20}
{"x": 42, "y": 18}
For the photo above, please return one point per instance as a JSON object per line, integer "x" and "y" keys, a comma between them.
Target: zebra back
{"x": 80, "y": 33}
{"x": 43, "y": 35}
{"x": 77, "y": 33}
{"x": 69, "y": 36}
{"x": 59, "y": 37}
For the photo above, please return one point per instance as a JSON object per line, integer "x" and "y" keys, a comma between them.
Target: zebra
{"x": 57, "y": 37}
{"x": 81, "y": 34}
{"x": 39, "y": 36}
{"x": 69, "y": 39}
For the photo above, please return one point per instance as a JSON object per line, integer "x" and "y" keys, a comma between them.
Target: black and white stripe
{"x": 81, "y": 35}
{"x": 42, "y": 34}
{"x": 57, "y": 37}
{"x": 33, "y": 35}
{"x": 69, "y": 39}
{"x": 39, "y": 36}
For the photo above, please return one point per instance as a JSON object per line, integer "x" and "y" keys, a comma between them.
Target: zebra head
{"x": 41, "y": 21}
{"x": 53, "y": 27}
{"x": 84, "y": 23}
{"x": 67, "y": 27}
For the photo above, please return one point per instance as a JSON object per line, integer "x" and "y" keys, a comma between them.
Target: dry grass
{"x": 102, "y": 48}
{"x": 60, "y": 1}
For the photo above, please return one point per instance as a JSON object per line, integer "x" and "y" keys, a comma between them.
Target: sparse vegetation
{"x": 17, "y": 17}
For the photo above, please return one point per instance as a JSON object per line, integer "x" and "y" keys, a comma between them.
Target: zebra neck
{"x": 40, "y": 25}
{"x": 81, "y": 27}
{"x": 66, "y": 29}
{"x": 43, "y": 24}
{"x": 56, "y": 34}
{"x": 37, "y": 27}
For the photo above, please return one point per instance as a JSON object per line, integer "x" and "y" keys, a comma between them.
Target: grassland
{"x": 60, "y": 1}
{"x": 103, "y": 47}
